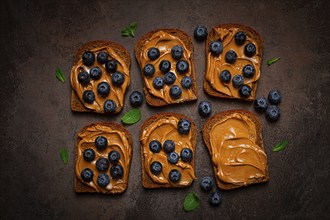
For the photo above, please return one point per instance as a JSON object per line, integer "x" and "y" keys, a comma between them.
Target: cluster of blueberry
{"x": 102, "y": 164}
{"x": 248, "y": 71}
{"x": 95, "y": 73}
{"x": 186, "y": 154}
{"x": 206, "y": 184}
{"x": 273, "y": 112}
{"x": 182, "y": 67}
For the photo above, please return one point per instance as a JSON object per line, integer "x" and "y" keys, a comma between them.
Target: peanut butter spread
{"x": 164, "y": 42}
{"x": 235, "y": 152}
{"x": 116, "y": 92}
{"x": 216, "y": 64}
{"x": 118, "y": 141}
{"x": 161, "y": 130}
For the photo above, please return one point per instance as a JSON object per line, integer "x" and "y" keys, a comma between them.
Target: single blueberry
{"x": 155, "y": 146}
{"x": 102, "y": 164}
{"x": 204, "y": 108}
{"x": 225, "y": 76}
{"x": 174, "y": 176}
{"x": 88, "y": 58}
{"x": 89, "y": 154}
{"x": 111, "y": 66}
{"x": 250, "y": 49}
{"x": 149, "y": 70}
{"x": 200, "y": 33}
{"x": 165, "y": 66}
{"x": 273, "y": 113}
{"x": 116, "y": 171}
{"x": 87, "y": 175}
{"x": 260, "y": 104}
{"x": 230, "y": 56}
{"x": 184, "y": 126}
{"x": 175, "y": 92}
{"x": 114, "y": 156}
{"x": 274, "y": 96}
{"x": 153, "y": 53}
{"x": 168, "y": 146}
{"x": 186, "y": 82}
{"x": 215, "y": 199}
{"x": 240, "y": 38}
{"x": 103, "y": 89}
{"x": 156, "y": 168}
{"x": 244, "y": 91}
{"x": 177, "y": 52}
{"x": 109, "y": 106}
{"x": 83, "y": 78}
{"x": 95, "y": 72}
{"x": 158, "y": 82}
{"x": 136, "y": 98}
{"x": 102, "y": 57}
{"x": 186, "y": 154}
{"x": 238, "y": 81}
{"x": 206, "y": 183}
{"x": 117, "y": 78}
{"x": 101, "y": 142}
{"x": 216, "y": 48}
{"x": 103, "y": 180}
{"x": 173, "y": 157}
{"x": 248, "y": 71}
{"x": 88, "y": 96}
{"x": 169, "y": 78}
{"x": 182, "y": 66}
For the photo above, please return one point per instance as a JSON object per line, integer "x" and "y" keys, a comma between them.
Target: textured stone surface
{"x": 36, "y": 120}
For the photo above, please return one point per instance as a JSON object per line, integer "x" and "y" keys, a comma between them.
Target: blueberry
{"x": 240, "y": 38}
{"x": 200, "y": 33}
{"x": 184, "y": 126}
{"x": 260, "y": 104}
{"x": 230, "y": 56}
{"x": 215, "y": 199}
{"x": 238, "y": 81}
{"x": 174, "y": 176}
{"x": 102, "y": 57}
{"x": 250, "y": 49}
{"x": 182, "y": 66}
{"x": 168, "y": 146}
{"x": 109, "y": 106}
{"x": 103, "y": 89}
{"x": 102, "y": 164}
{"x": 169, "y": 78}
{"x": 225, "y": 76}
{"x": 117, "y": 78}
{"x": 83, "y": 78}
{"x": 89, "y": 154}
{"x": 175, "y": 92}
{"x": 274, "y": 96}
{"x": 245, "y": 91}
{"x": 186, "y": 154}
{"x": 216, "y": 48}
{"x": 156, "y": 168}
{"x": 186, "y": 82}
{"x": 206, "y": 183}
{"x": 88, "y": 96}
{"x": 173, "y": 157}
{"x": 101, "y": 143}
{"x": 177, "y": 52}
{"x": 114, "y": 156}
{"x": 155, "y": 146}
{"x": 273, "y": 113}
{"x": 95, "y": 72}
{"x": 87, "y": 175}
{"x": 116, "y": 171}
{"x": 136, "y": 98}
{"x": 248, "y": 71}
{"x": 204, "y": 108}
{"x": 165, "y": 66}
{"x": 88, "y": 58}
{"x": 148, "y": 70}
{"x": 111, "y": 66}
{"x": 158, "y": 82}
{"x": 153, "y": 53}
{"x": 103, "y": 180}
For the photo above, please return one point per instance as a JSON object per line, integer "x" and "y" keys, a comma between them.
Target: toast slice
{"x": 118, "y": 139}
{"x": 215, "y": 64}
{"x": 164, "y": 40}
{"x": 234, "y": 141}
{"x": 162, "y": 127}
{"x": 115, "y": 53}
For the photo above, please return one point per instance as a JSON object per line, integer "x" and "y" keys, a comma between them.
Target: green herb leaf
{"x": 59, "y": 75}
{"x": 280, "y": 146}
{"x": 274, "y": 60}
{"x": 64, "y": 155}
{"x": 130, "y": 30}
{"x": 191, "y": 202}
{"x": 125, "y": 32}
{"x": 132, "y": 116}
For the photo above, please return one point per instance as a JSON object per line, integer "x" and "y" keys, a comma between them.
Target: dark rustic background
{"x": 36, "y": 120}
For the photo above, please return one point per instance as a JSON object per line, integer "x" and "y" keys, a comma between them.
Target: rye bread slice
{"x": 79, "y": 186}
{"x": 147, "y": 182}
{"x": 206, "y": 137}
{"x": 211, "y": 37}
{"x": 76, "y": 104}
{"x": 151, "y": 99}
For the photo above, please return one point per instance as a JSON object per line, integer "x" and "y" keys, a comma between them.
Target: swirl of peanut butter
{"x": 235, "y": 152}
{"x": 164, "y": 42}
{"x": 118, "y": 141}
{"x": 116, "y": 92}
{"x": 216, "y": 64}
{"x": 162, "y": 130}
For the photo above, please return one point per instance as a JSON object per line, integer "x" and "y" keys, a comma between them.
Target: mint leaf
{"x": 273, "y": 60}
{"x": 132, "y": 116}
{"x": 64, "y": 155}
{"x": 130, "y": 30}
{"x": 191, "y": 202}
{"x": 125, "y": 32}
{"x": 280, "y": 146}
{"x": 59, "y": 75}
